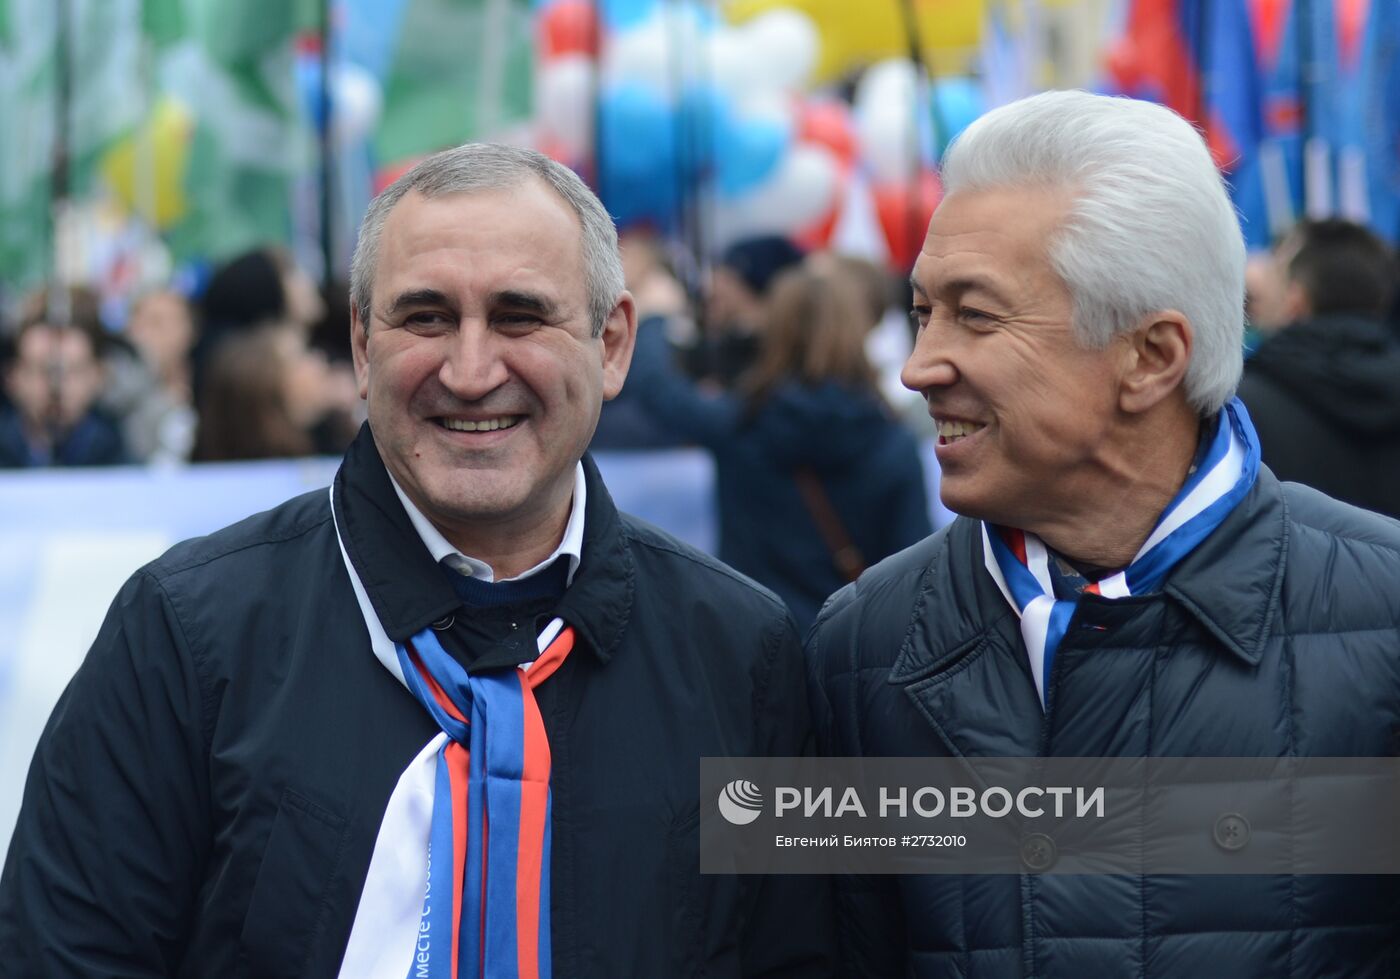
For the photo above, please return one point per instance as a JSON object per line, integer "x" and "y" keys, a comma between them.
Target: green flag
{"x": 162, "y": 21}
{"x": 446, "y": 51}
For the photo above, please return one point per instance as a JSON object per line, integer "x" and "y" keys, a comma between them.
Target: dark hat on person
{"x": 759, "y": 260}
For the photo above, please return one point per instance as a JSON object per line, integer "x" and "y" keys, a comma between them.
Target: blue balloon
{"x": 622, "y": 14}
{"x": 702, "y": 119}
{"x": 959, "y": 101}
{"x": 748, "y": 151}
{"x": 639, "y": 178}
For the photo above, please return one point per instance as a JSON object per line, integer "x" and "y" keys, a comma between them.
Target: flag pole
{"x": 57, "y": 312}
{"x": 327, "y": 151}
{"x": 923, "y": 69}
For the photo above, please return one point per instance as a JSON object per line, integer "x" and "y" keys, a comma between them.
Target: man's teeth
{"x": 489, "y": 425}
{"x": 951, "y": 431}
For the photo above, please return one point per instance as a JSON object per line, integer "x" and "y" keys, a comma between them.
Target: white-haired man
{"x": 446, "y": 719}
{"x": 1125, "y": 578}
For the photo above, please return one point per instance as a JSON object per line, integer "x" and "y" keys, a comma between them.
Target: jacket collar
{"x": 964, "y": 668}
{"x": 1230, "y": 583}
{"x": 410, "y": 592}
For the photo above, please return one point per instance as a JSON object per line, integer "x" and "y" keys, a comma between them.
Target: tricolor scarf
{"x": 458, "y": 884}
{"x": 1019, "y": 562}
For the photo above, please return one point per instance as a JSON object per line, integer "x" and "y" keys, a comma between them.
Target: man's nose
{"x": 929, "y": 364}
{"x": 473, "y": 365}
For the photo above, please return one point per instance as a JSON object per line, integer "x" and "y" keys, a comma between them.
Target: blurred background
{"x": 181, "y": 182}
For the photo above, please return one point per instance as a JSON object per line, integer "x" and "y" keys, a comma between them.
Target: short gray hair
{"x": 491, "y": 166}
{"x": 1151, "y": 226}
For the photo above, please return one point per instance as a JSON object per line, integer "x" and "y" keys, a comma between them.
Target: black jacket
{"x": 865, "y": 461}
{"x": 206, "y": 796}
{"x": 1324, "y": 396}
{"x": 1279, "y": 635}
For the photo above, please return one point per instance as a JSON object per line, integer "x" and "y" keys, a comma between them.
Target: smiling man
{"x": 446, "y": 719}
{"x": 1125, "y": 579}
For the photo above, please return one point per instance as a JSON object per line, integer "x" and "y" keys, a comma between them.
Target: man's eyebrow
{"x": 963, "y": 284}
{"x": 414, "y": 298}
{"x": 530, "y": 302}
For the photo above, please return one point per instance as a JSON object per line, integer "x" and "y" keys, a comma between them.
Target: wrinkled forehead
{"x": 1010, "y": 229}
{"x": 528, "y": 210}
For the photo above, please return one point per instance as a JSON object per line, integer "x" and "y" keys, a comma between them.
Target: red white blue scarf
{"x": 1019, "y": 562}
{"x": 458, "y": 883}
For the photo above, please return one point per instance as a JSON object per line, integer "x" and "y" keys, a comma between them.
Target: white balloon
{"x": 784, "y": 45}
{"x": 644, "y": 54}
{"x": 890, "y": 83}
{"x": 801, "y": 190}
{"x": 356, "y": 103}
{"x": 886, "y": 135}
{"x": 564, "y": 102}
{"x": 731, "y": 63}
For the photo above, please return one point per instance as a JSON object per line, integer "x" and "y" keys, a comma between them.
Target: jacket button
{"x": 444, "y": 623}
{"x": 1231, "y": 831}
{"x": 1038, "y": 852}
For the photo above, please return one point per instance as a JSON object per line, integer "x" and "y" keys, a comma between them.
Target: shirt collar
{"x": 444, "y": 553}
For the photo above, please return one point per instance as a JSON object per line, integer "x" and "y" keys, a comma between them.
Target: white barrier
{"x": 70, "y": 538}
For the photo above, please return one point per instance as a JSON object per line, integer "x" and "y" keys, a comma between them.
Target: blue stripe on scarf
{"x": 505, "y": 764}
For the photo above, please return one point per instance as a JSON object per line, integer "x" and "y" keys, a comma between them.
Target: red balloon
{"x": 817, "y": 235}
{"x": 568, "y": 27}
{"x": 904, "y": 213}
{"x": 828, "y": 122}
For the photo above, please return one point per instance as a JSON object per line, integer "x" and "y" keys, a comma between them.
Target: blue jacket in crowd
{"x": 866, "y": 462}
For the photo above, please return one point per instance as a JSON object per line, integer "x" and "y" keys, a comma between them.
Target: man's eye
{"x": 919, "y": 316}
{"x": 518, "y": 320}
{"x": 426, "y": 318}
{"x": 975, "y": 316}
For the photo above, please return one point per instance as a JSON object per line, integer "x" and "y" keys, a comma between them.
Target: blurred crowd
{"x": 257, "y": 367}
{"x": 785, "y": 366}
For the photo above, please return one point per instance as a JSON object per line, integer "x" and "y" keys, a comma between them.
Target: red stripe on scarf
{"x": 439, "y": 694}
{"x": 534, "y": 806}
{"x": 458, "y": 772}
{"x": 1016, "y": 540}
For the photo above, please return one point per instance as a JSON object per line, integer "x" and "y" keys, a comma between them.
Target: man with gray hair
{"x": 1125, "y": 579}
{"x": 446, "y": 718}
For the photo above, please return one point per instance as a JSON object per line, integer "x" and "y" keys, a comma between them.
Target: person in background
{"x": 53, "y": 377}
{"x": 160, "y": 427}
{"x": 1124, "y": 579}
{"x": 264, "y": 393}
{"x": 344, "y": 412}
{"x": 1323, "y": 388}
{"x": 735, "y": 308}
{"x": 814, "y": 479}
{"x": 625, "y": 422}
{"x": 257, "y": 287}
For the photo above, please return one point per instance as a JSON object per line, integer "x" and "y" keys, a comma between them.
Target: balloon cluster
{"x": 665, "y": 98}
{"x": 661, "y": 104}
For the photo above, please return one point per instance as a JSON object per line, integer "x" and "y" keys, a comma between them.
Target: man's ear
{"x": 1156, "y": 362}
{"x": 619, "y": 336}
{"x": 359, "y": 347}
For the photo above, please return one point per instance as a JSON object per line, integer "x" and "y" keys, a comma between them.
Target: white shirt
{"x": 442, "y": 551}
